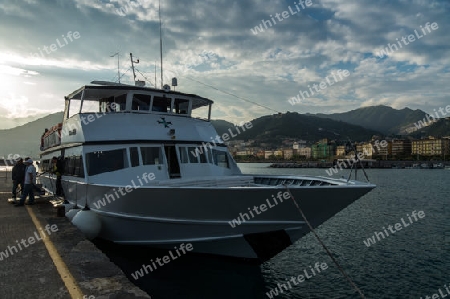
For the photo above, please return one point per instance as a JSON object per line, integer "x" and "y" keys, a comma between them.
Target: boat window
{"x": 141, "y": 102}
{"x": 151, "y": 155}
{"x": 200, "y": 112}
{"x": 209, "y": 153}
{"x": 220, "y": 158}
{"x": 90, "y": 106}
{"x": 106, "y": 161}
{"x": 202, "y": 155}
{"x": 73, "y": 166}
{"x": 181, "y": 106}
{"x": 78, "y": 167}
{"x": 121, "y": 102}
{"x": 45, "y": 165}
{"x": 68, "y": 166}
{"x": 106, "y": 104}
{"x": 134, "y": 156}
{"x": 193, "y": 153}
{"x": 161, "y": 104}
{"x": 74, "y": 107}
{"x": 199, "y": 154}
{"x": 183, "y": 154}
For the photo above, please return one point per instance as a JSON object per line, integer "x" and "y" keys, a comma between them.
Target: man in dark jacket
{"x": 18, "y": 175}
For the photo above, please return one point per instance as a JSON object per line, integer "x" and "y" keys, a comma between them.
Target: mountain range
{"x": 8, "y": 123}
{"x": 356, "y": 125}
{"x": 272, "y": 129}
{"x": 380, "y": 118}
{"x": 24, "y": 140}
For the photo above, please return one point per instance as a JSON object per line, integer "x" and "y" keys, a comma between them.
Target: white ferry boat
{"x": 157, "y": 174}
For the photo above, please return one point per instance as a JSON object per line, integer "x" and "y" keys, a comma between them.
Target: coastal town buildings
{"x": 328, "y": 150}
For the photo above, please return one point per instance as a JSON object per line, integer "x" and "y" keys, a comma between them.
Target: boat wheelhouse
{"x": 116, "y": 128}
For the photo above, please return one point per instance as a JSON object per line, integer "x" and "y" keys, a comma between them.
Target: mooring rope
{"x": 325, "y": 247}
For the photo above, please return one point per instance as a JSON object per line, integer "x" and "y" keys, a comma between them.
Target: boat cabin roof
{"x": 108, "y": 89}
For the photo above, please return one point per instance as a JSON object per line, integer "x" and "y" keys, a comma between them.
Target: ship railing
{"x": 279, "y": 181}
{"x": 240, "y": 181}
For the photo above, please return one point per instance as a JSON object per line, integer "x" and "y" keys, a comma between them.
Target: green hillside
{"x": 273, "y": 128}
{"x": 441, "y": 128}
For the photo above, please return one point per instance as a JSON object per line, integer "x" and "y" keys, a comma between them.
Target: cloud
{"x": 211, "y": 42}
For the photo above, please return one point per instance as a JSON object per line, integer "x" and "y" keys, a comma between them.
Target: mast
{"x": 132, "y": 67}
{"x": 160, "y": 44}
{"x": 118, "y": 68}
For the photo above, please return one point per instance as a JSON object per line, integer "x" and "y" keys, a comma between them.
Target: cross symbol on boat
{"x": 166, "y": 123}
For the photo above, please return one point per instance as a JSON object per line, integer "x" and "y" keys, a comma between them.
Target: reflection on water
{"x": 408, "y": 264}
{"x": 188, "y": 276}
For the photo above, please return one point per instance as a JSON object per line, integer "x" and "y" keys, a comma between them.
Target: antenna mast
{"x": 160, "y": 44}
{"x": 118, "y": 68}
{"x": 132, "y": 67}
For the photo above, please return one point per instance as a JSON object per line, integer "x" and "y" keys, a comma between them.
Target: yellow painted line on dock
{"x": 66, "y": 276}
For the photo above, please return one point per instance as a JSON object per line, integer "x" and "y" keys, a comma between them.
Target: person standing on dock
{"x": 29, "y": 181}
{"x": 18, "y": 175}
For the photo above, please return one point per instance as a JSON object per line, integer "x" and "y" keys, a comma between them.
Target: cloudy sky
{"x": 214, "y": 49}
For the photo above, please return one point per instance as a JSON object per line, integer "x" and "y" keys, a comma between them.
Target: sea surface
{"x": 413, "y": 262}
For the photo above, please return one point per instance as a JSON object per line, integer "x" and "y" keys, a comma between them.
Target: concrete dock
{"x": 43, "y": 256}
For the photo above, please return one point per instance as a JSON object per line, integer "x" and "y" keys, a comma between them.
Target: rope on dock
{"x": 324, "y": 246}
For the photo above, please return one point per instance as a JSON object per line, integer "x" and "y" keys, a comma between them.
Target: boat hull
{"x": 216, "y": 220}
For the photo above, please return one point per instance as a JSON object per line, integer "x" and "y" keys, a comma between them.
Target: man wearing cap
{"x": 29, "y": 181}
{"x": 18, "y": 175}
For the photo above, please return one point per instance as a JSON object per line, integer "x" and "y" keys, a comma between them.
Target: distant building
{"x": 268, "y": 154}
{"x": 366, "y": 148}
{"x": 235, "y": 142}
{"x": 288, "y": 154}
{"x": 244, "y": 153}
{"x": 260, "y": 154}
{"x": 431, "y": 147}
{"x": 278, "y": 153}
{"x": 381, "y": 151}
{"x": 340, "y": 151}
{"x": 299, "y": 144}
{"x": 323, "y": 149}
{"x": 401, "y": 147}
{"x": 271, "y": 154}
{"x": 303, "y": 151}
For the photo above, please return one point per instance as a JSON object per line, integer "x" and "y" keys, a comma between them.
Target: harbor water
{"x": 407, "y": 219}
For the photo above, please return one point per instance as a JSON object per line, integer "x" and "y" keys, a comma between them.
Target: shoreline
{"x": 382, "y": 164}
